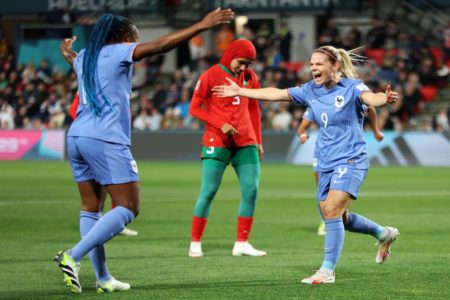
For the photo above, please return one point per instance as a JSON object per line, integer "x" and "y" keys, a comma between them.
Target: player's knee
{"x": 329, "y": 212}
{"x": 208, "y": 194}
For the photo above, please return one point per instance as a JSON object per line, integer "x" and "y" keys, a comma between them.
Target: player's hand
{"x": 260, "y": 151}
{"x": 66, "y": 44}
{"x": 66, "y": 49}
{"x": 379, "y": 136}
{"x": 229, "y": 130}
{"x": 224, "y": 90}
{"x": 391, "y": 97}
{"x": 216, "y": 17}
{"x": 303, "y": 138}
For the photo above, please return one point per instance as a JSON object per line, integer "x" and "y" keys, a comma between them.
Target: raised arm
{"x": 267, "y": 94}
{"x": 379, "y": 99}
{"x": 170, "y": 41}
{"x": 66, "y": 49}
{"x": 373, "y": 118}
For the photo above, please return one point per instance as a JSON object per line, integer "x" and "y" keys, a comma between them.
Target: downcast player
{"x": 232, "y": 136}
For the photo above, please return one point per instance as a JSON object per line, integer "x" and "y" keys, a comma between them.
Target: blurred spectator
{"x": 44, "y": 72}
{"x": 154, "y": 65}
{"x": 284, "y": 37}
{"x": 355, "y": 37}
{"x": 6, "y": 115}
{"x": 247, "y": 33}
{"x": 387, "y": 73}
{"x": 160, "y": 96}
{"x": 262, "y": 41}
{"x": 142, "y": 121}
{"x": 223, "y": 37}
{"x": 442, "y": 74}
{"x": 427, "y": 72}
{"x": 282, "y": 119}
{"x": 446, "y": 39}
{"x": 182, "y": 107}
{"x": 441, "y": 122}
{"x": 139, "y": 75}
{"x": 197, "y": 47}
{"x": 376, "y": 37}
{"x": 29, "y": 73}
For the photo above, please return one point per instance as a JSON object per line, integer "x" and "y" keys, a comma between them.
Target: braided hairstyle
{"x": 110, "y": 29}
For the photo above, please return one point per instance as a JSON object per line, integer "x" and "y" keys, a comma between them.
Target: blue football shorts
{"x": 106, "y": 163}
{"x": 343, "y": 178}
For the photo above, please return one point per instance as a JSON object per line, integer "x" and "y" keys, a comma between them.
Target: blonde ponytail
{"x": 347, "y": 59}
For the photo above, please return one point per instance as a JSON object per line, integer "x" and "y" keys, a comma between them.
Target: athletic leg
{"x": 247, "y": 167}
{"x": 212, "y": 173}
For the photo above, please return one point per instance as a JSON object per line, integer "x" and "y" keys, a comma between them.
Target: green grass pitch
{"x": 39, "y": 208}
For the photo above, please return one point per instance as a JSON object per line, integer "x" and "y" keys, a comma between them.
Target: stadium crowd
{"x": 38, "y": 97}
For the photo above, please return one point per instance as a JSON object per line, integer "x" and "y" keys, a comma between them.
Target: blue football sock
{"x": 334, "y": 240}
{"x": 104, "y": 229}
{"x": 96, "y": 255}
{"x": 360, "y": 224}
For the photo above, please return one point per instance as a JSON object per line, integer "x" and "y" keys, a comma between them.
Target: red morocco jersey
{"x": 240, "y": 112}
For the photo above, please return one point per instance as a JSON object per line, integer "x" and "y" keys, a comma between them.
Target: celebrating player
{"x": 232, "y": 135}
{"x": 336, "y": 97}
{"x": 98, "y": 141}
{"x": 302, "y": 131}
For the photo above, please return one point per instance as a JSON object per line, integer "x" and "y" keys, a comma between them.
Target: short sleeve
{"x": 298, "y": 95}
{"x": 361, "y": 88}
{"x": 124, "y": 52}
{"x": 309, "y": 115}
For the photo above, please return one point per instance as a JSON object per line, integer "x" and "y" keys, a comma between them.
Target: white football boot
{"x": 244, "y": 248}
{"x": 385, "y": 243}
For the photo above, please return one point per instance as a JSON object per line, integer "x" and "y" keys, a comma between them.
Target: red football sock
{"x": 198, "y": 226}
{"x": 243, "y": 228}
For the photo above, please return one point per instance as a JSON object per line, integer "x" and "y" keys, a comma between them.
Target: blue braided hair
{"x": 109, "y": 29}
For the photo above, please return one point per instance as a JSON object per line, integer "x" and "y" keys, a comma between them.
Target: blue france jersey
{"x": 309, "y": 115}
{"x": 114, "y": 78}
{"x": 339, "y": 112}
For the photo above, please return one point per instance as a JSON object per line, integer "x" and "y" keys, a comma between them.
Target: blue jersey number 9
{"x": 324, "y": 119}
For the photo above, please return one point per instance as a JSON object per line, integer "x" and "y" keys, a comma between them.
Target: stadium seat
{"x": 294, "y": 66}
{"x": 437, "y": 53}
{"x": 376, "y": 54}
{"x": 428, "y": 93}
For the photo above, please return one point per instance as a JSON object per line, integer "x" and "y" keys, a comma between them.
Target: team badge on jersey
{"x": 198, "y": 84}
{"x": 339, "y": 101}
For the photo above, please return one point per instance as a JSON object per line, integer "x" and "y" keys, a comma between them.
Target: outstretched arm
{"x": 66, "y": 49}
{"x": 170, "y": 41}
{"x": 267, "y": 94}
{"x": 379, "y": 99}
{"x": 373, "y": 118}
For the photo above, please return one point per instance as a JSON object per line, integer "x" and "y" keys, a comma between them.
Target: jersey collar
{"x": 226, "y": 70}
{"x": 229, "y": 72}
